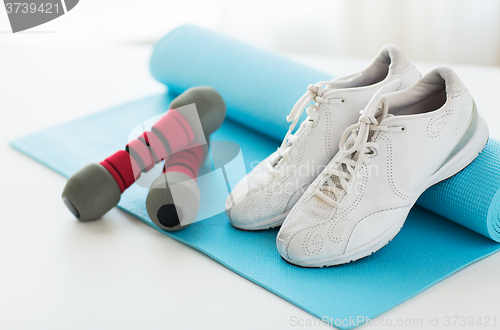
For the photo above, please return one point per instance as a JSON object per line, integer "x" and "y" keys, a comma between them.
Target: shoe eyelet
{"x": 397, "y": 129}
{"x": 373, "y": 154}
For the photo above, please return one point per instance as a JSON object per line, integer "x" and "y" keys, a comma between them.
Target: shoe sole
{"x": 268, "y": 224}
{"x": 456, "y": 164}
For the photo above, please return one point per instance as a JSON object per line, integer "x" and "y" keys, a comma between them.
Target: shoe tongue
{"x": 336, "y": 181}
{"x": 379, "y": 102}
{"x": 375, "y": 109}
{"x": 343, "y": 167}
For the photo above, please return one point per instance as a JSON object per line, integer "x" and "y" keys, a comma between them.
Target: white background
{"x": 117, "y": 273}
{"x": 461, "y": 31}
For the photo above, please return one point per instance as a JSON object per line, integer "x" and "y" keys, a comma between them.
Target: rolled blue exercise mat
{"x": 471, "y": 198}
{"x": 456, "y": 223}
{"x": 259, "y": 88}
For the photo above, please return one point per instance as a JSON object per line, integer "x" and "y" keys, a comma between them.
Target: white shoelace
{"x": 354, "y": 149}
{"x": 314, "y": 93}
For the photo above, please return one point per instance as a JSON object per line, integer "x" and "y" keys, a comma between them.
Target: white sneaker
{"x": 403, "y": 143}
{"x": 265, "y": 196}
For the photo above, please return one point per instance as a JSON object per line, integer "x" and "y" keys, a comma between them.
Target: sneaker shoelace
{"x": 315, "y": 92}
{"x": 355, "y": 146}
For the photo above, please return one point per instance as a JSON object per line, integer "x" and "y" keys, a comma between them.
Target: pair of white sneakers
{"x": 342, "y": 185}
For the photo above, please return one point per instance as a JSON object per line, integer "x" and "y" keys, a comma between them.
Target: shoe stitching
{"x": 390, "y": 177}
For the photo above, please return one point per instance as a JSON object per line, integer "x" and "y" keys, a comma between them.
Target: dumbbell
{"x": 174, "y": 197}
{"x": 96, "y": 188}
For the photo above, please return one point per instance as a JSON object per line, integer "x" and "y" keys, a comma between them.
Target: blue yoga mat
{"x": 456, "y": 223}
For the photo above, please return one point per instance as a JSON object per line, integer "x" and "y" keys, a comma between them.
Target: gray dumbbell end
{"x": 209, "y": 104}
{"x": 173, "y": 201}
{"x": 91, "y": 192}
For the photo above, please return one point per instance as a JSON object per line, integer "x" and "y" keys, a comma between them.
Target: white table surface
{"x": 118, "y": 273}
